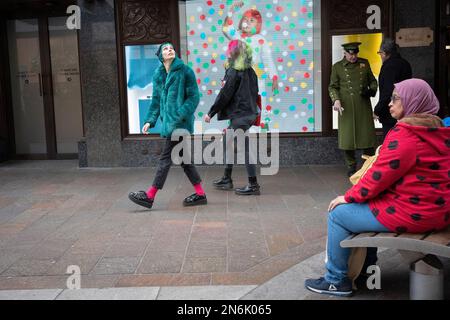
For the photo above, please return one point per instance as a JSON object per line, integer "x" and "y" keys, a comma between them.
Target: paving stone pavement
{"x": 54, "y": 215}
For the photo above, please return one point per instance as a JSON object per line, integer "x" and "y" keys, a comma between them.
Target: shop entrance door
{"x": 45, "y": 88}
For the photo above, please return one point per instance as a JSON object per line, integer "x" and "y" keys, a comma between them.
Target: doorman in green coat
{"x": 352, "y": 84}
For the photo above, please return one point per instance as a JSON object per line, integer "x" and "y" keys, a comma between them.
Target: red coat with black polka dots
{"x": 408, "y": 187}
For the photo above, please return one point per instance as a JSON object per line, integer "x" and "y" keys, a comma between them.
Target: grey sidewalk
{"x": 286, "y": 286}
{"x": 53, "y": 215}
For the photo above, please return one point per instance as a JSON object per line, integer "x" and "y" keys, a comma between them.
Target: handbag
{"x": 370, "y": 160}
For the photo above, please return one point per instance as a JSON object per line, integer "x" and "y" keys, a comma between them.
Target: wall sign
{"x": 415, "y": 37}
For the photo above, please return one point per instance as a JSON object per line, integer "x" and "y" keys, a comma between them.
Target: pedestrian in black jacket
{"x": 237, "y": 102}
{"x": 395, "y": 69}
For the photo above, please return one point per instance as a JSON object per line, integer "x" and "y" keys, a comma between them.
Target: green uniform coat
{"x": 353, "y": 84}
{"x": 175, "y": 98}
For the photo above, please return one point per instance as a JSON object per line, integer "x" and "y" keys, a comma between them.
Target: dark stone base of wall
{"x": 293, "y": 151}
{"x": 3, "y": 150}
{"x": 82, "y": 154}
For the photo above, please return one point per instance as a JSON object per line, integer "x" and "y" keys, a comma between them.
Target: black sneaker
{"x": 141, "y": 199}
{"x": 248, "y": 190}
{"x": 195, "y": 200}
{"x": 322, "y": 286}
{"x": 224, "y": 183}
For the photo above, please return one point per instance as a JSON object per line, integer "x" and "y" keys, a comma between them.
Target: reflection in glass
{"x": 285, "y": 38}
{"x": 141, "y": 63}
{"x": 66, "y": 85}
{"x": 26, "y": 86}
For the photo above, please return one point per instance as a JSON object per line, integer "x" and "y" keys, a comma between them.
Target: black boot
{"x": 251, "y": 189}
{"x": 141, "y": 199}
{"x": 351, "y": 170}
{"x": 224, "y": 183}
{"x": 195, "y": 200}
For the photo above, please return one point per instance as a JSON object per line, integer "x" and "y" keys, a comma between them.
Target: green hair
{"x": 239, "y": 56}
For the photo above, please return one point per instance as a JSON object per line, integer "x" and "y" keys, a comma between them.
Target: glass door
{"x": 66, "y": 85}
{"x": 26, "y": 87}
{"x": 46, "y": 89}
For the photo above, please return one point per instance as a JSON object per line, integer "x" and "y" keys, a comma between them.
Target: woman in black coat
{"x": 237, "y": 102}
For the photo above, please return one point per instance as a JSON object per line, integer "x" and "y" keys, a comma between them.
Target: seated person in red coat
{"x": 406, "y": 190}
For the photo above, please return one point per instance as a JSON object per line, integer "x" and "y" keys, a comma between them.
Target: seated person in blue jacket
{"x": 175, "y": 98}
{"x": 237, "y": 102}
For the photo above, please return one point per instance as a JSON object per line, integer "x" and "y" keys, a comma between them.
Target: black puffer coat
{"x": 237, "y": 98}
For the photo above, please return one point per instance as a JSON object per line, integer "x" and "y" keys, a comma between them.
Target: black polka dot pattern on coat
{"x": 395, "y": 129}
{"x": 440, "y": 202}
{"x": 375, "y": 212}
{"x": 394, "y": 164}
{"x": 377, "y": 176}
{"x": 401, "y": 229}
{"x": 435, "y": 166}
{"x": 447, "y": 143}
{"x": 390, "y": 210}
{"x": 446, "y": 217}
{"x": 399, "y": 181}
{"x": 416, "y": 216}
{"x": 364, "y": 192}
{"x": 393, "y": 145}
{"x": 351, "y": 199}
{"x": 417, "y": 160}
{"x": 432, "y": 129}
{"x": 414, "y": 200}
{"x": 435, "y": 185}
{"x": 420, "y": 178}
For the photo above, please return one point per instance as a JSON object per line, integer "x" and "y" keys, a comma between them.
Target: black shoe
{"x": 321, "y": 286}
{"x": 141, "y": 199}
{"x": 195, "y": 200}
{"x": 248, "y": 190}
{"x": 351, "y": 171}
{"x": 224, "y": 183}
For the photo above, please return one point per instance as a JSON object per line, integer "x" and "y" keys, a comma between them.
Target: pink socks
{"x": 151, "y": 193}
{"x": 199, "y": 190}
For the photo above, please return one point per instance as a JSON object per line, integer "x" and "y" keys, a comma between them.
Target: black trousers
{"x": 244, "y": 124}
{"x": 165, "y": 162}
{"x": 350, "y": 156}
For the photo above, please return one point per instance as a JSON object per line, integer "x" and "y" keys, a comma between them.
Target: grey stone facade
{"x": 99, "y": 81}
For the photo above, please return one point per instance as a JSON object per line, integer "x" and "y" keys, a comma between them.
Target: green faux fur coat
{"x": 175, "y": 98}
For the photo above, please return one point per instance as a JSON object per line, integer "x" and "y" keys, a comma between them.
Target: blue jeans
{"x": 344, "y": 220}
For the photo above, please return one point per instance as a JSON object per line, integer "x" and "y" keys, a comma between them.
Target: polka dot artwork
{"x": 282, "y": 49}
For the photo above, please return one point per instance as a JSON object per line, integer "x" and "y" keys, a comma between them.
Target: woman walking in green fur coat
{"x": 175, "y": 98}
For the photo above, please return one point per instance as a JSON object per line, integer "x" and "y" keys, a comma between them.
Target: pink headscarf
{"x": 417, "y": 97}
